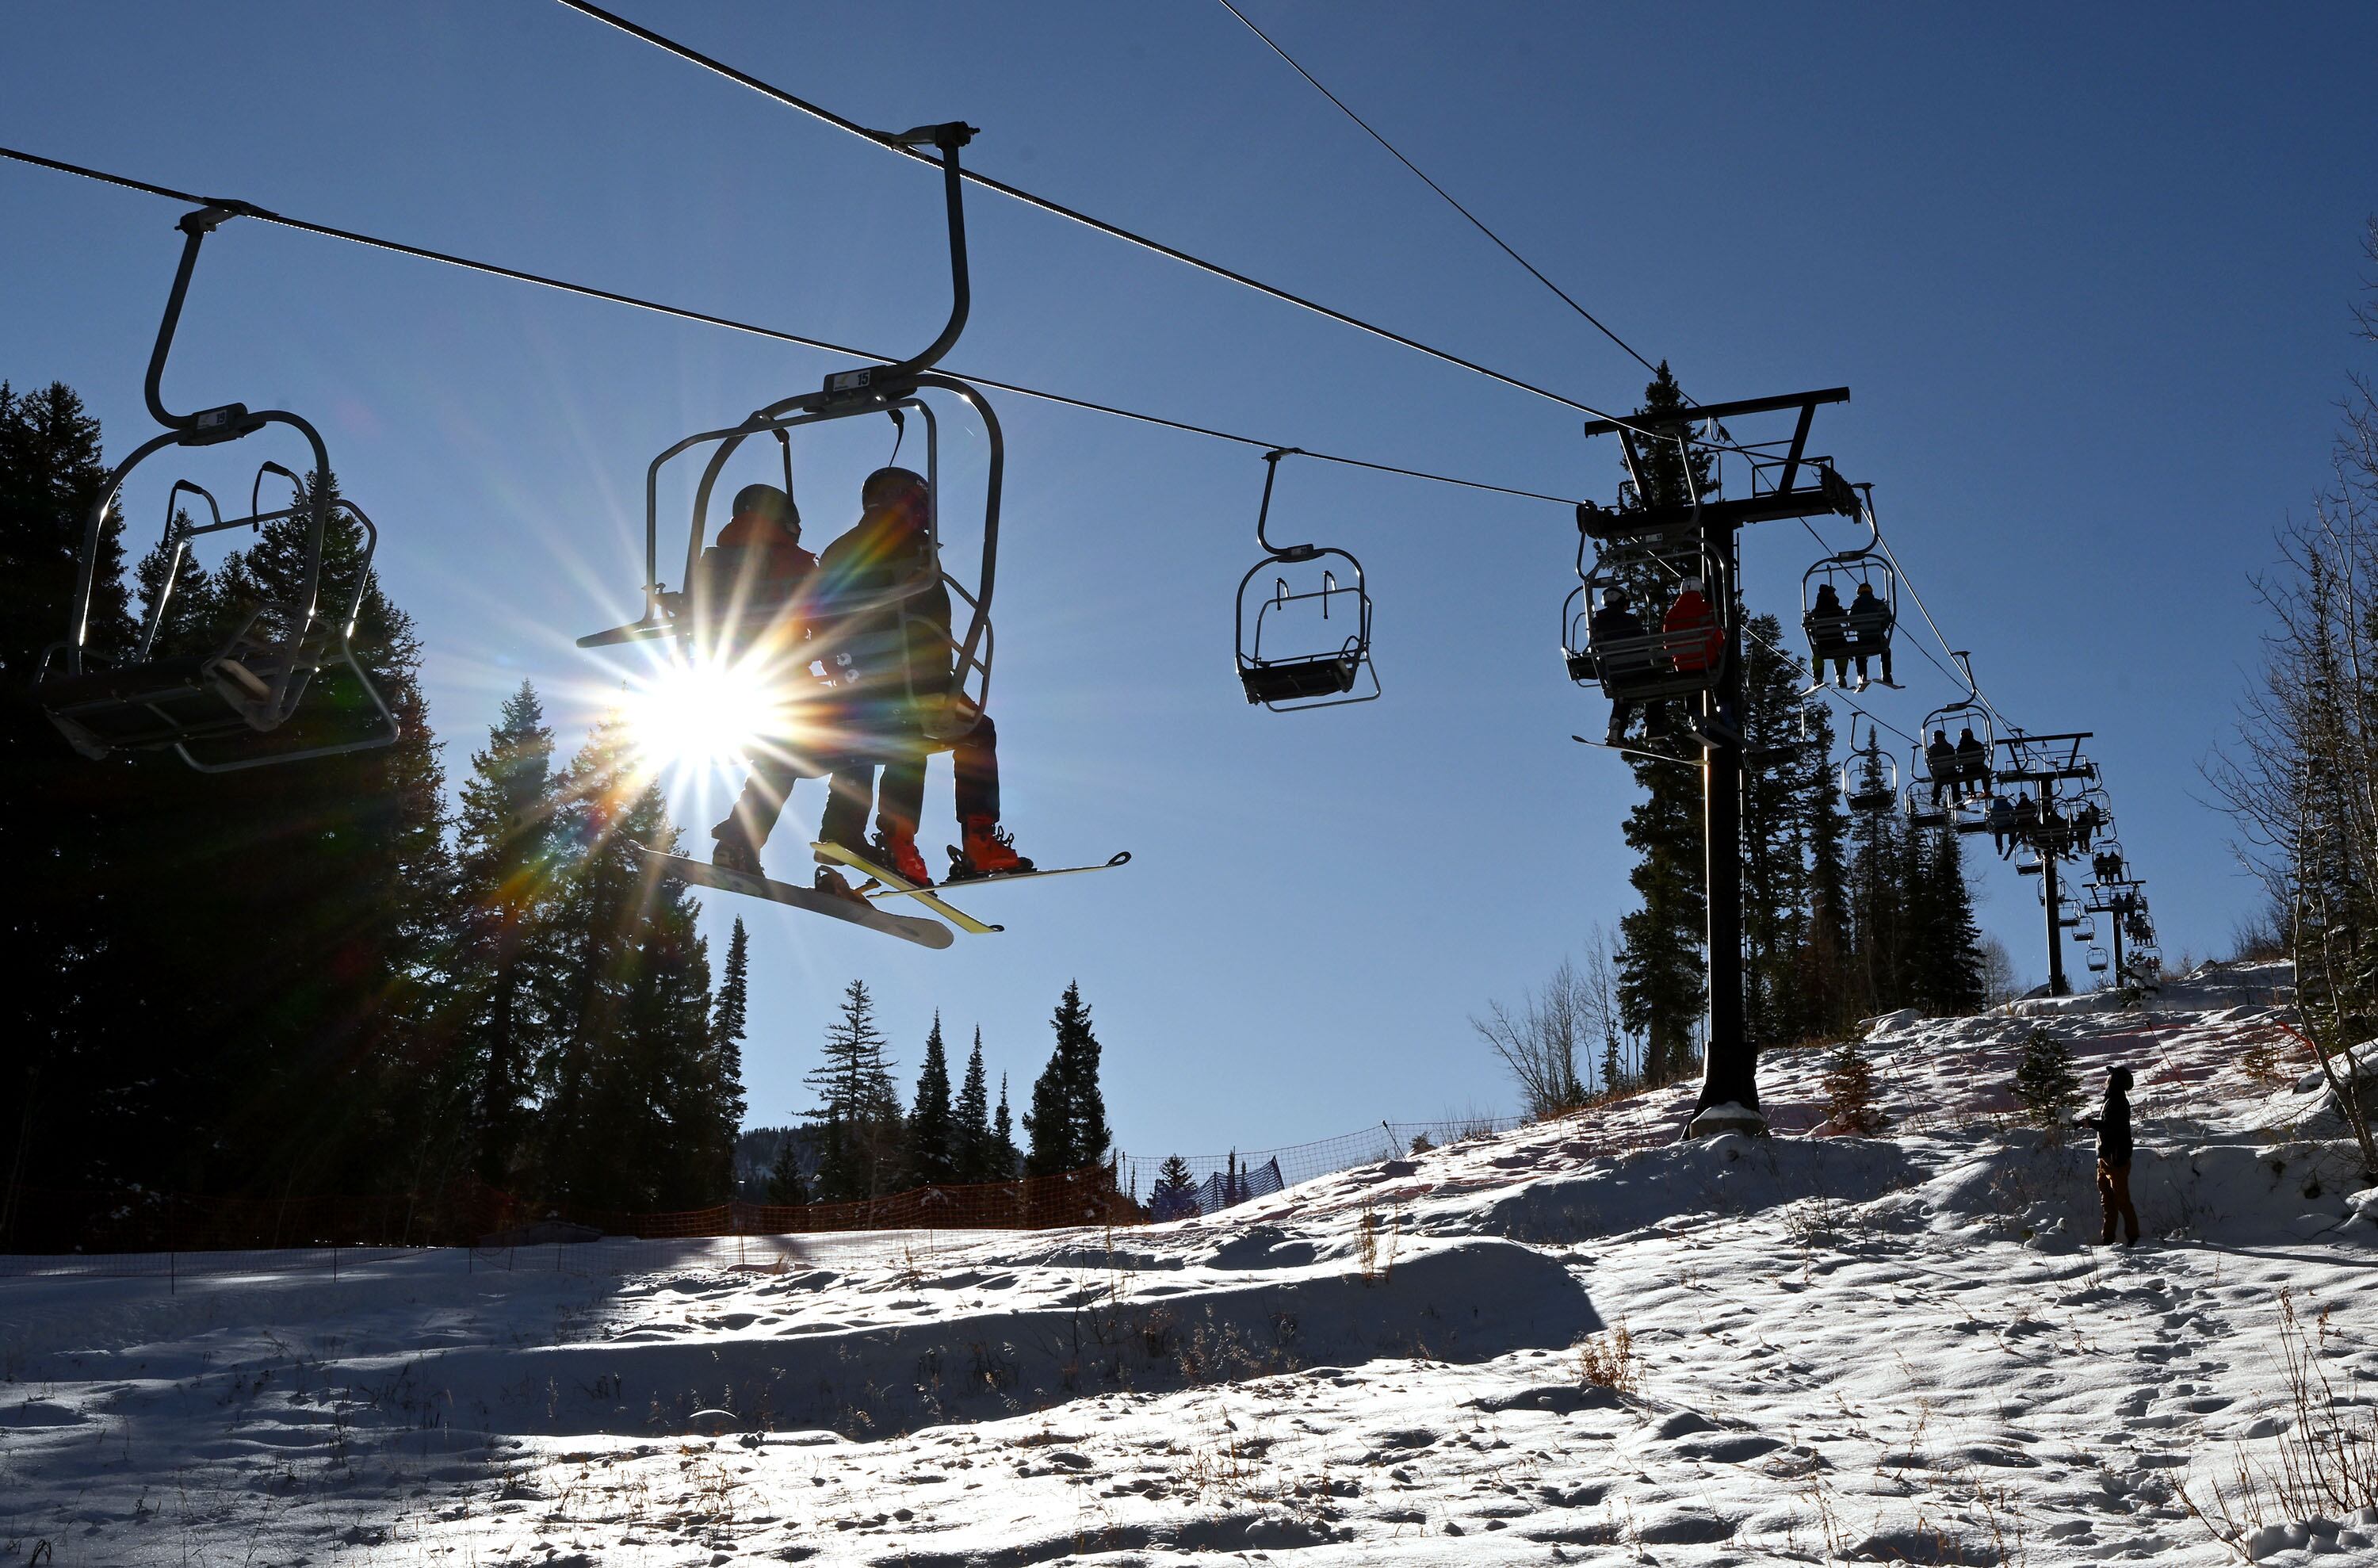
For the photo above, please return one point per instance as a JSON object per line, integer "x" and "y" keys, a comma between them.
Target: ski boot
{"x": 734, "y": 850}
{"x": 988, "y": 853}
{"x": 829, "y": 880}
{"x": 898, "y": 853}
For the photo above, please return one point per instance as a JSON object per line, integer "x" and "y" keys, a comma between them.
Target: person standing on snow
{"x": 2112, "y": 1124}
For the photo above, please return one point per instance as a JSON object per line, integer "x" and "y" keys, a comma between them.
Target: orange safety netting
{"x": 44, "y": 1220}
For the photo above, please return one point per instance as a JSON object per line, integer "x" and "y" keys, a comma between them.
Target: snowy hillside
{"x": 1541, "y": 1347}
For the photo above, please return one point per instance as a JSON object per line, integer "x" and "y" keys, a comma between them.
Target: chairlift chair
{"x": 2085, "y": 928}
{"x": 213, "y": 709}
{"x": 1324, "y": 663}
{"x": 881, "y": 632}
{"x": 2099, "y": 962}
{"x": 1652, "y": 663}
{"x": 1873, "y": 787}
{"x": 1959, "y": 776}
{"x": 1922, "y": 810}
{"x": 1837, "y": 638}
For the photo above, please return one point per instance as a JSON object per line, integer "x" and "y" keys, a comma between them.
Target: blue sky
{"x": 2087, "y": 273}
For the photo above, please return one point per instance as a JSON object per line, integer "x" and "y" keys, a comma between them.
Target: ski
{"x": 1121, "y": 857}
{"x": 910, "y": 928}
{"x": 893, "y": 885}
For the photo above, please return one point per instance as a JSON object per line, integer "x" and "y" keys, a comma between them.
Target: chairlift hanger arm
{"x": 1263, "y": 513}
{"x": 232, "y": 420}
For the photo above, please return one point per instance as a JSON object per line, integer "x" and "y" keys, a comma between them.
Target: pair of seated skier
{"x": 873, "y": 612}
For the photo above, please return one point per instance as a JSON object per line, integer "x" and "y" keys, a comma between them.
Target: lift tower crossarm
{"x": 1786, "y": 497}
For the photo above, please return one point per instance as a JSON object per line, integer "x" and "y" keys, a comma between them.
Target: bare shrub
{"x": 2326, "y": 1461}
{"x": 1610, "y": 1360}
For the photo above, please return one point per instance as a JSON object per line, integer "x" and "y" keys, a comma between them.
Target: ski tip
{"x": 1121, "y": 857}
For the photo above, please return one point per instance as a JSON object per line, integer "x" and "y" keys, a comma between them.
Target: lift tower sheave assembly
{"x": 1785, "y": 482}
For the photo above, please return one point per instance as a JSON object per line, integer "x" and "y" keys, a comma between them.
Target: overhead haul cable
{"x": 896, "y": 144}
{"x": 1421, "y": 174}
{"x": 684, "y": 313}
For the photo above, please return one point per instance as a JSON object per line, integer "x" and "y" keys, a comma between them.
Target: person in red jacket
{"x": 1692, "y": 611}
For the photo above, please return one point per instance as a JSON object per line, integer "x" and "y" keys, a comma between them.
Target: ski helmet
{"x": 887, "y": 485}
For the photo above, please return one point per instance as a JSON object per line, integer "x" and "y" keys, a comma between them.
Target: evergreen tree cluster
{"x": 317, "y": 978}
{"x": 1843, "y": 916}
{"x": 320, "y": 979}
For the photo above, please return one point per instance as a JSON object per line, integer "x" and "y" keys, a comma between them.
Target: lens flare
{"x": 701, "y": 714}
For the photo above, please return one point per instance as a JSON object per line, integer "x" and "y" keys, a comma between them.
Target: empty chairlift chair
{"x": 223, "y": 707}
{"x": 1870, "y": 778}
{"x": 1307, "y": 643}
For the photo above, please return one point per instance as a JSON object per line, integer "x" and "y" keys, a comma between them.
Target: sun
{"x": 701, "y": 712}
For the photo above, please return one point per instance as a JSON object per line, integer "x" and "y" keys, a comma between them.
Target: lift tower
{"x": 1785, "y": 482}
{"x": 2117, "y": 901}
{"x": 2046, "y": 761}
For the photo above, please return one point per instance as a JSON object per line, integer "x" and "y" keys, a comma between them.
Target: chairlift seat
{"x": 1647, "y": 665}
{"x": 164, "y": 702}
{"x": 1299, "y": 680}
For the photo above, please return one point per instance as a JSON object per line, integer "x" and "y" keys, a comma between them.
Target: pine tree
{"x": 317, "y": 1049}
{"x": 1174, "y": 1196}
{"x": 72, "y": 1011}
{"x": 729, "y": 1016}
{"x": 787, "y": 1186}
{"x": 1005, "y": 1156}
{"x": 1046, "y": 1125}
{"x": 935, "y": 1149}
{"x": 970, "y": 1128}
{"x": 1878, "y": 897}
{"x": 636, "y": 1115}
{"x": 1776, "y": 761}
{"x": 2045, "y": 1085}
{"x": 506, "y": 947}
{"x": 1850, "y": 1097}
{"x": 858, "y": 1113}
{"x": 1827, "y": 956}
{"x": 1949, "y": 969}
{"x": 1067, "y": 1123}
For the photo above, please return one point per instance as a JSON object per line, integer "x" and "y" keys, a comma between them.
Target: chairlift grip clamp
{"x": 953, "y": 133}
{"x": 207, "y": 218}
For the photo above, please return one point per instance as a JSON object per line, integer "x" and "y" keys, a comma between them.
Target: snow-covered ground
{"x": 1547, "y": 1346}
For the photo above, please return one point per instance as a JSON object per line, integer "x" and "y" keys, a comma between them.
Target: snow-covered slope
{"x": 1559, "y": 1345}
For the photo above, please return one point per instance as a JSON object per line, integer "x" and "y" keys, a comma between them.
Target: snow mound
{"x": 1580, "y": 1342}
